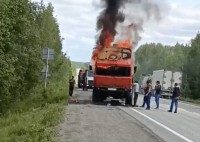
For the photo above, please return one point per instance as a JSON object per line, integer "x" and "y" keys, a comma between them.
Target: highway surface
{"x": 85, "y": 122}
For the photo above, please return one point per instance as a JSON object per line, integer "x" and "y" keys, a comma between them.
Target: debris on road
{"x": 73, "y": 100}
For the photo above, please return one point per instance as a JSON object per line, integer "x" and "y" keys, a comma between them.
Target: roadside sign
{"x": 48, "y": 54}
{"x": 45, "y": 51}
{"x": 45, "y": 56}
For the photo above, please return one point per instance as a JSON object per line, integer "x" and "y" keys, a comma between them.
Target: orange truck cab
{"x": 113, "y": 74}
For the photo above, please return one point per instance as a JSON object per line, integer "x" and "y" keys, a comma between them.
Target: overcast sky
{"x": 77, "y": 20}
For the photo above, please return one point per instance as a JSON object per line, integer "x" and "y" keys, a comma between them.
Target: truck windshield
{"x": 114, "y": 71}
{"x": 90, "y": 73}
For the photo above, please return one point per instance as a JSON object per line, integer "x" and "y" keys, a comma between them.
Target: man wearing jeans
{"x": 157, "y": 93}
{"x": 175, "y": 97}
{"x": 147, "y": 97}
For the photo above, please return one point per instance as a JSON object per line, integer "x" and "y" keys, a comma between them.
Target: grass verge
{"x": 33, "y": 120}
{"x": 191, "y": 100}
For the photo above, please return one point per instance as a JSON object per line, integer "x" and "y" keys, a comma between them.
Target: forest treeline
{"x": 28, "y": 112}
{"x": 26, "y": 28}
{"x": 183, "y": 58}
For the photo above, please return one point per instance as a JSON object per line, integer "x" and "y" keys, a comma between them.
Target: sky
{"x": 77, "y": 20}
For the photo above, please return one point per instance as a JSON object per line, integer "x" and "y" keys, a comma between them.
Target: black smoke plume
{"x": 108, "y": 19}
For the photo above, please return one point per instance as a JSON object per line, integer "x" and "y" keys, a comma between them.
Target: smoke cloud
{"x": 125, "y": 18}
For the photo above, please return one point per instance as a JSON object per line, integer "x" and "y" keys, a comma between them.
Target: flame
{"x": 125, "y": 44}
{"x": 96, "y": 51}
{"x": 106, "y": 39}
{"x": 121, "y": 44}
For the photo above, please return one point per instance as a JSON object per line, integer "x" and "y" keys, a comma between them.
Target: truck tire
{"x": 128, "y": 98}
{"x": 95, "y": 96}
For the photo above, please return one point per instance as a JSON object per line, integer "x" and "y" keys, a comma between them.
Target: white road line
{"x": 162, "y": 125}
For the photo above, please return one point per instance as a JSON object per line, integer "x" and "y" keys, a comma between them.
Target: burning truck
{"x": 113, "y": 59}
{"x": 113, "y": 73}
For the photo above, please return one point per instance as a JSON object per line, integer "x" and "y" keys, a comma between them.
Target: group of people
{"x": 148, "y": 92}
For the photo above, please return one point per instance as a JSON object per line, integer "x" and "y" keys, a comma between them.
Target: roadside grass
{"x": 34, "y": 119}
{"x": 191, "y": 100}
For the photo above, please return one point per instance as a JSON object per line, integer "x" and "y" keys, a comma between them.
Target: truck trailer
{"x": 167, "y": 80}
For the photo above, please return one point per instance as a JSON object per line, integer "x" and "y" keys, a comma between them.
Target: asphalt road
{"x": 85, "y": 122}
{"x": 183, "y": 126}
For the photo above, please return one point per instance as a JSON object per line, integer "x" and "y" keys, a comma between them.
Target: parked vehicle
{"x": 81, "y": 78}
{"x": 167, "y": 80}
{"x": 89, "y": 80}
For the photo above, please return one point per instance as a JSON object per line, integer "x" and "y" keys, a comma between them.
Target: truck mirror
{"x": 90, "y": 67}
{"x": 135, "y": 69}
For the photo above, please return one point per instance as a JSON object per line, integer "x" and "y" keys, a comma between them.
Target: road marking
{"x": 162, "y": 125}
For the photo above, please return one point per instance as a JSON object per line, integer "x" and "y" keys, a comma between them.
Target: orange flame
{"x": 105, "y": 40}
{"x": 125, "y": 44}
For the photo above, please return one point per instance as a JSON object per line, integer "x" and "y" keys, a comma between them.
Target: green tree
{"x": 153, "y": 56}
{"x": 27, "y": 28}
{"x": 191, "y": 69}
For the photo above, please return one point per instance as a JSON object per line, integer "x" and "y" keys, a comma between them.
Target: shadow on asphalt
{"x": 105, "y": 103}
{"x": 84, "y": 99}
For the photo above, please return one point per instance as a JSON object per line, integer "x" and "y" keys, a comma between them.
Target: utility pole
{"x": 48, "y": 54}
{"x": 47, "y": 69}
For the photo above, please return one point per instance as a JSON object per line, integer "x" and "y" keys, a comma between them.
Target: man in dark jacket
{"x": 147, "y": 95}
{"x": 71, "y": 86}
{"x": 157, "y": 93}
{"x": 175, "y": 97}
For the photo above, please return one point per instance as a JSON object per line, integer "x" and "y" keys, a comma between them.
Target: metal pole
{"x": 47, "y": 69}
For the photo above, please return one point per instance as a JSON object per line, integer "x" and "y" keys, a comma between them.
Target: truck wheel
{"x": 95, "y": 96}
{"x": 128, "y": 98}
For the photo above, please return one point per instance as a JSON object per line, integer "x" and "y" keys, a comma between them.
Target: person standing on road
{"x": 136, "y": 92}
{"x": 84, "y": 82}
{"x": 71, "y": 86}
{"x": 148, "y": 95}
{"x": 144, "y": 98}
{"x": 157, "y": 93}
{"x": 175, "y": 97}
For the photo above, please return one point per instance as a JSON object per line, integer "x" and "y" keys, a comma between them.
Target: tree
{"x": 26, "y": 28}
{"x": 191, "y": 70}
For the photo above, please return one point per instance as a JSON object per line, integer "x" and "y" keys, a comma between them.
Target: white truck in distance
{"x": 167, "y": 80}
{"x": 89, "y": 79}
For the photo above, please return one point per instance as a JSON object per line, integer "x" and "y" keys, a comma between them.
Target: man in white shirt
{"x": 136, "y": 92}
